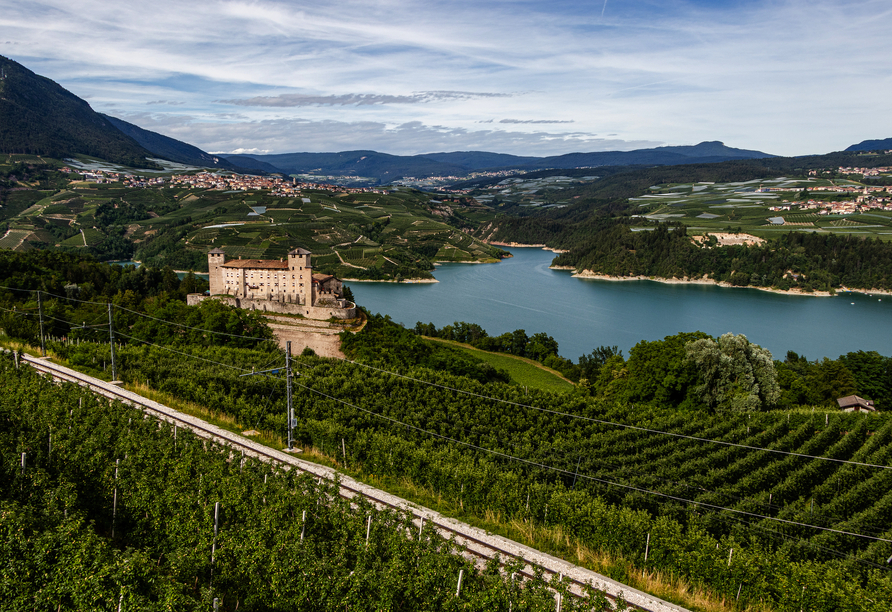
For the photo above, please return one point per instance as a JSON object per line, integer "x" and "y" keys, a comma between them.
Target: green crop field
{"x": 523, "y": 372}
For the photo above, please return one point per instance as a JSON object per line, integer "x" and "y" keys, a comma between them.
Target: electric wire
{"x": 622, "y": 425}
{"x": 592, "y": 478}
{"x": 518, "y": 404}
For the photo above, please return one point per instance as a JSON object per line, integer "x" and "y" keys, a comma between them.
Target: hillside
{"x": 42, "y": 118}
{"x": 169, "y": 148}
{"x": 872, "y": 145}
{"x": 353, "y": 234}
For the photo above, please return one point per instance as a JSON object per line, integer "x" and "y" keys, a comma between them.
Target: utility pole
{"x": 288, "y": 376}
{"x": 111, "y": 338}
{"x": 288, "y": 391}
{"x": 40, "y": 314}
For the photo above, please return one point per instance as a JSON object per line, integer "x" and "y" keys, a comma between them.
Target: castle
{"x": 288, "y": 287}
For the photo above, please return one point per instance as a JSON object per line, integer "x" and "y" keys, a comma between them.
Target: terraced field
{"x": 706, "y": 207}
{"x": 365, "y": 235}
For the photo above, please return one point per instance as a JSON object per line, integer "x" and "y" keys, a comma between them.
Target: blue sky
{"x": 527, "y": 77}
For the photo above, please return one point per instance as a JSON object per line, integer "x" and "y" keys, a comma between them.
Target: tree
{"x": 735, "y": 374}
{"x": 590, "y": 365}
{"x": 828, "y": 380}
{"x": 660, "y": 374}
{"x": 541, "y": 345}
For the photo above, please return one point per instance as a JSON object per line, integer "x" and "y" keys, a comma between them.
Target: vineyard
{"x": 787, "y": 510}
{"x": 106, "y": 508}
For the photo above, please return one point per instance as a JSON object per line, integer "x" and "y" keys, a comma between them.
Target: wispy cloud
{"x": 521, "y": 121}
{"x": 410, "y": 138}
{"x": 785, "y": 76}
{"x": 296, "y": 100}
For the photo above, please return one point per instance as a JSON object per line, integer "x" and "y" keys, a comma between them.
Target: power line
{"x": 622, "y": 425}
{"x": 592, "y": 478}
{"x": 225, "y": 365}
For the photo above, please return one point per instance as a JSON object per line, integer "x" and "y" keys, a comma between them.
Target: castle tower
{"x": 300, "y": 283}
{"x": 216, "y": 259}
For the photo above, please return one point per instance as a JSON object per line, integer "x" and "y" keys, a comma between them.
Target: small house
{"x": 853, "y": 403}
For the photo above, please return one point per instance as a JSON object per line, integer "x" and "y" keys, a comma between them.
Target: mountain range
{"x": 38, "y": 116}
{"x": 385, "y": 167}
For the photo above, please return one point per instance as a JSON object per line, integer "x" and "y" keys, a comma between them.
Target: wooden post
{"x": 647, "y": 548}
{"x": 344, "y": 450}
{"x": 458, "y": 589}
{"x": 729, "y": 557}
{"x": 303, "y": 525}
{"x": 420, "y": 528}
{"x": 738, "y": 591}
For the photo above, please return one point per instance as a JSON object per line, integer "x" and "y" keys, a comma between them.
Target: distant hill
{"x": 169, "y": 148}
{"x": 384, "y": 167}
{"x": 40, "y": 117}
{"x": 248, "y": 164}
{"x": 872, "y": 145}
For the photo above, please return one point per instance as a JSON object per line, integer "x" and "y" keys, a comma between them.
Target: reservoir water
{"x": 523, "y": 293}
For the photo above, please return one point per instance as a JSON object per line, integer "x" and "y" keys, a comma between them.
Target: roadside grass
{"x": 524, "y": 372}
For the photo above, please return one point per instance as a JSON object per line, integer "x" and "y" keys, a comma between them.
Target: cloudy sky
{"x": 528, "y": 77}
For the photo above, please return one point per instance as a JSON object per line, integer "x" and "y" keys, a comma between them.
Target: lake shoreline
{"x": 588, "y": 274}
{"x": 518, "y": 245}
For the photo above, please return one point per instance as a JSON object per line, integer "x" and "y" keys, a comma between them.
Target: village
{"x": 228, "y": 182}
{"x": 867, "y": 198}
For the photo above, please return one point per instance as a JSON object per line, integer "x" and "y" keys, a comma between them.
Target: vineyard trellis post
{"x": 288, "y": 392}
{"x": 40, "y": 316}
{"x": 115, "y": 499}
{"x": 214, "y": 544}
{"x": 461, "y": 573}
{"x": 111, "y": 342}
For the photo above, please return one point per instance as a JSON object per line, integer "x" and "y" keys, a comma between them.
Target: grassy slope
{"x": 523, "y": 371}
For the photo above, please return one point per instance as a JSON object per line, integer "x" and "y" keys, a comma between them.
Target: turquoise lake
{"x": 523, "y": 293}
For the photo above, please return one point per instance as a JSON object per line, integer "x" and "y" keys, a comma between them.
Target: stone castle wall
{"x": 311, "y": 312}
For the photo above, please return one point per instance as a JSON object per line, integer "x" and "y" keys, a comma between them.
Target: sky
{"x": 527, "y": 77}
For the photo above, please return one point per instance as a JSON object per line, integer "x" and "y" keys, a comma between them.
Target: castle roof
{"x": 216, "y": 251}
{"x": 299, "y": 251}
{"x": 321, "y": 278}
{"x": 257, "y": 264}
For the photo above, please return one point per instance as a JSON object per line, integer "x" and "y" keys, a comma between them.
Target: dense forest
{"x": 806, "y": 261}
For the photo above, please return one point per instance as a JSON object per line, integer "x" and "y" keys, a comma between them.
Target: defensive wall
{"x": 339, "y": 309}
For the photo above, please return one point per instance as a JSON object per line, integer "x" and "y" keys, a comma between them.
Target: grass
{"x": 523, "y": 371}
